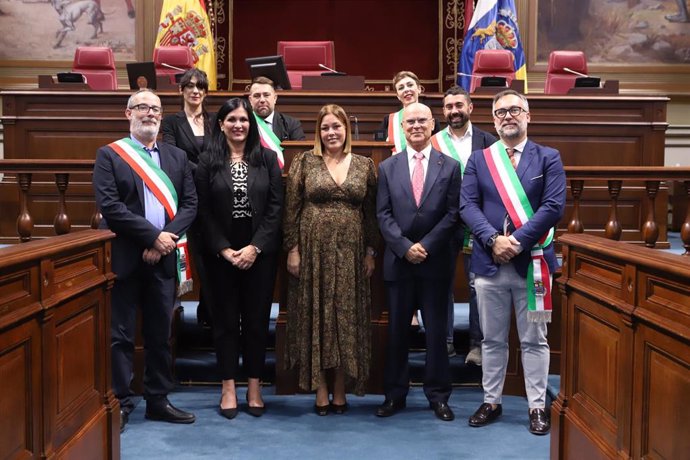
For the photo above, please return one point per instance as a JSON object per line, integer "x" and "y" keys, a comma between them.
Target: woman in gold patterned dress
{"x": 330, "y": 234}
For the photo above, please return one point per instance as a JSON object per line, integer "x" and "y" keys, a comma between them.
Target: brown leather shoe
{"x": 539, "y": 422}
{"x": 485, "y": 415}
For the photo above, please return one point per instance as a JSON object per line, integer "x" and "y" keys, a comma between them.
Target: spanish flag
{"x": 185, "y": 22}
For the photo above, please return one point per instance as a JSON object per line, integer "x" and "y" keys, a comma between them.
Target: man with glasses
{"x": 513, "y": 194}
{"x": 146, "y": 194}
{"x": 417, "y": 211}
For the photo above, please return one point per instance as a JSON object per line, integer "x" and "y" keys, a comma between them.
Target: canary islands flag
{"x": 493, "y": 26}
{"x": 185, "y": 22}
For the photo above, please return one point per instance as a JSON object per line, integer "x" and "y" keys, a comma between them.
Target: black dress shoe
{"x": 539, "y": 422}
{"x": 485, "y": 415}
{"x": 339, "y": 408}
{"x": 442, "y": 411}
{"x": 321, "y": 410}
{"x": 161, "y": 409}
{"x": 124, "y": 418}
{"x": 390, "y": 407}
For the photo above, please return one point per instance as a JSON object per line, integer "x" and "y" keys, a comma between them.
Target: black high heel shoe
{"x": 227, "y": 413}
{"x": 321, "y": 410}
{"x": 257, "y": 411}
{"x": 339, "y": 408}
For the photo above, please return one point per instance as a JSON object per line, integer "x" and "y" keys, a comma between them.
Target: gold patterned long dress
{"x": 328, "y": 306}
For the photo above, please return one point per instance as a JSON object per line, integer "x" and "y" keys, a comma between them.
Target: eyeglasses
{"x": 514, "y": 112}
{"x": 144, "y": 108}
{"x": 197, "y": 85}
{"x": 412, "y": 121}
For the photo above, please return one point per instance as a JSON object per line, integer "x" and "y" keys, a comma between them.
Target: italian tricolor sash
{"x": 442, "y": 142}
{"x": 395, "y": 132}
{"x": 520, "y": 211}
{"x": 269, "y": 140}
{"x": 159, "y": 183}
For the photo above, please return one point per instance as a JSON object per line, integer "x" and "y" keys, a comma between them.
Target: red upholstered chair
{"x": 97, "y": 64}
{"x": 492, "y": 63}
{"x": 176, "y": 56}
{"x": 303, "y": 58}
{"x": 558, "y": 81}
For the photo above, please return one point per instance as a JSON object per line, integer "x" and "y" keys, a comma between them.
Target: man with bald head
{"x": 417, "y": 210}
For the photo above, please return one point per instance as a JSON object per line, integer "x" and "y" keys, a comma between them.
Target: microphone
{"x": 575, "y": 73}
{"x": 173, "y": 67}
{"x": 468, "y": 75}
{"x": 355, "y": 136}
{"x": 328, "y": 68}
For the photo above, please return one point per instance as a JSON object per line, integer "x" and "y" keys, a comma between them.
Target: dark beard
{"x": 459, "y": 122}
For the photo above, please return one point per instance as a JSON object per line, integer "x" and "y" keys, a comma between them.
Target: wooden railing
{"x": 652, "y": 177}
{"x": 24, "y": 170}
{"x": 578, "y": 177}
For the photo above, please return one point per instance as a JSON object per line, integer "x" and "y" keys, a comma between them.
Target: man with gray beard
{"x": 146, "y": 194}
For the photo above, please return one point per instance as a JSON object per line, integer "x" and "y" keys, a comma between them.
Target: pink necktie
{"x": 511, "y": 155}
{"x": 418, "y": 178}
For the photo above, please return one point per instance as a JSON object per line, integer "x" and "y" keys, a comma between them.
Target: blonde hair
{"x": 339, "y": 113}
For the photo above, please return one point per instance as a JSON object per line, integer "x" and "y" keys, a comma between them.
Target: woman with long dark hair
{"x": 240, "y": 204}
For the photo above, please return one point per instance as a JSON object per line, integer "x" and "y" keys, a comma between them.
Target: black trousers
{"x": 405, "y": 296}
{"x": 241, "y": 312}
{"x": 149, "y": 289}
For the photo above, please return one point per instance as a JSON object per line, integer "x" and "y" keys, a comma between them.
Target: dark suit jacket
{"x": 432, "y": 224}
{"x": 265, "y": 190}
{"x": 287, "y": 128}
{"x": 176, "y": 131}
{"x": 120, "y": 198}
{"x": 541, "y": 173}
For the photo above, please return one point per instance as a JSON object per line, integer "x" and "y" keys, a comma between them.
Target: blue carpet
{"x": 290, "y": 430}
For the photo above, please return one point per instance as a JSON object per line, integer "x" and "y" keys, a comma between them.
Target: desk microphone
{"x": 355, "y": 136}
{"x": 575, "y": 73}
{"x": 173, "y": 67}
{"x": 328, "y": 68}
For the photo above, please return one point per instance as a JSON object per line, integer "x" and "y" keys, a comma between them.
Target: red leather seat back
{"x": 492, "y": 63}
{"x": 97, "y": 64}
{"x": 558, "y": 81}
{"x": 303, "y": 58}
{"x": 176, "y": 56}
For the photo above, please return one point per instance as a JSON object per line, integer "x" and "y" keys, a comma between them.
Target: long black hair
{"x": 218, "y": 152}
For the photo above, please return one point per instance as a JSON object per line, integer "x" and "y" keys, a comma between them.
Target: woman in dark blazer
{"x": 240, "y": 204}
{"x": 190, "y": 130}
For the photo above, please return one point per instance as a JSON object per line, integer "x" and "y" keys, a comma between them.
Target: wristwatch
{"x": 371, "y": 252}
{"x": 492, "y": 240}
{"x": 256, "y": 248}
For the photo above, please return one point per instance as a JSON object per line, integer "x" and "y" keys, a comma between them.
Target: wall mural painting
{"x": 43, "y": 30}
{"x": 646, "y": 32}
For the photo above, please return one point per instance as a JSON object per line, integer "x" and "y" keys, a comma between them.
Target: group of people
{"x": 213, "y": 190}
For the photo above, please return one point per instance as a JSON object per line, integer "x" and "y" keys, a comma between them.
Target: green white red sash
{"x": 162, "y": 188}
{"x": 395, "y": 132}
{"x": 442, "y": 142}
{"x": 269, "y": 140}
{"x": 520, "y": 211}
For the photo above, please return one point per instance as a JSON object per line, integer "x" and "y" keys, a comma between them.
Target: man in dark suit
{"x": 417, "y": 211}
{"x": 458, "y": 140}
{"x": 145, "y": 255}
{"x": 263, "y": 98}
{"x": 513, "y": 194}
